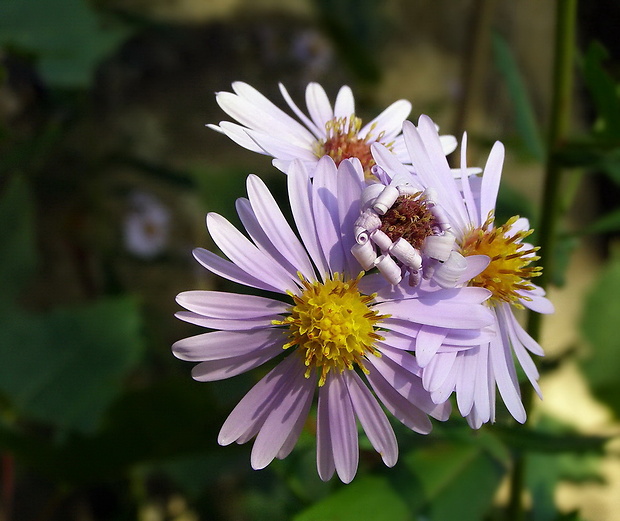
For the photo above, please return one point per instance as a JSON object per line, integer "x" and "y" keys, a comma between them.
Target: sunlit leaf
{"x": 367, "y": 498}
{"x": 457, "y": 480}
{"x": 601, "y": 312}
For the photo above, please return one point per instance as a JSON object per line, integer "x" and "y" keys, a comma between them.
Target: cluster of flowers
{"x": 397, "y": 286}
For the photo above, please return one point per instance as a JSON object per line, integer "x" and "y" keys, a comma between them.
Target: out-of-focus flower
{"x": 146, "y": 226}
{"x": 334, "y": 131}
{"x": 332, "y": 334}
{"x": 504, "y": 269}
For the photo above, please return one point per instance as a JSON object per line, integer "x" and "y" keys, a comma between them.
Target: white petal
{"x": 255, "y": 405}
{"x": 246, "y": 255}
{"x": 219, "y": 304}
{"x": 490, "y": 181}
{"x": 300, "y": 197}
{"x": 342, "y": 427}
{"x": 218, "y": 345}
{"x": 319, "y": 107}
{"x": 224, "y": 268}
{"x": 214, "y": 370}
{"x": 276, "y": 226}
{"x": 373, "y": 419}
{"x": 344, "y": 107}
{"x": 282, "y": 419}
{"x": 390, "y": 121}
{"x": 324, "y": 450}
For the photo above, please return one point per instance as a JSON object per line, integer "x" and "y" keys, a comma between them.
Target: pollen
{"x": 332, "y": 326}
{"x": 343, "y": 141}
{"x": 409, "y": 218}
{"x": 509, "y": 271}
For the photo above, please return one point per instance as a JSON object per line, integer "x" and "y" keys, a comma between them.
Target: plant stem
{"x": 564, "y": 58}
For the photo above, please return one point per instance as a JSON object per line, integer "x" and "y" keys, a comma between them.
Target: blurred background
{"x": 107, "y": 171}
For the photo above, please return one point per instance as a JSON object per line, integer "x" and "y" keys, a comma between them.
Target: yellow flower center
{"x": 343, "y": 142}
{"x": 509, "y": 271}
{"x": 332, "y": 326}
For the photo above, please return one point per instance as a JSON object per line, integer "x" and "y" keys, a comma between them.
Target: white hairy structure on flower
{"x": 394, "y": 259}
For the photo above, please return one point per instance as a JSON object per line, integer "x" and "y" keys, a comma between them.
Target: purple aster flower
{"x": 334, "y": 131}
{"x": 503, "y": 259}
{"x": 331, "y": 334}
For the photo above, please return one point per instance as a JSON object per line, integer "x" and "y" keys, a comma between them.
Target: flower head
{"x": 336, "y": 330}
{"x": 333, "y": 131}
{"x": 498, "y": 260}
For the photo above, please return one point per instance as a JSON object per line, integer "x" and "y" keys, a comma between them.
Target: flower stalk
{"x": 551, "y": 204}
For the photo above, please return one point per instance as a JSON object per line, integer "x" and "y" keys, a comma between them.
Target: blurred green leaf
{"x": 512, "y": 202}
{"x": 456, "y": 480}
{"x": 67, "y": 37}
{"x": 610, "y": 222}
{"x": 18, "y": 255}
{"x": 601, "y": 312}
{"x": 603, "y": 89}
{"x": 524, "y": 114}
{"x": 66, "y": 366}
{"x": 161, "y": 422}
{"x": 367, "y": 498}
{"x": 219, "y": 188}
{"x": 355, "y": 26}
{"x": 531, "y": 440}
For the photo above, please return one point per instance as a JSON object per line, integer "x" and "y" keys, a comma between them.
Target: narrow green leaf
{"x": 368, "y": 498}
{"x": 610, "y": 222}
{"x": 530, "y": 440}
{"x": 524, "y": 114}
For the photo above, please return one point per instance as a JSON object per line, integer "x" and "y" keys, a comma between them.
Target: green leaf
{"x": 530, "y": 440}
{"x": 610, "y": 222}
{"x": 524, "y": 114}
{"x": 67, "y": 37}
{"x": 18, "y": 254}
{"x": 66, "y": 366}
{"x": 165, "y": 421}
{"x": 457, "y": 480}
{"x": 603, "y": 89}
{"x": 601, "y": 312}
{"x": 367, "y": 498}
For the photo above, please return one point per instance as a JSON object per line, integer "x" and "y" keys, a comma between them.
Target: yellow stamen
{"x": 332, "y": 326}
{"x": 343, "y": 141}
{"x": 508, "y": 271}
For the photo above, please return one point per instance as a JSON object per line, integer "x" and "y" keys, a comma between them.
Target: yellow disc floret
{"x": 509, "y": 272}
{"x": 332, "y": 326}
{"x": 343, "y": 141}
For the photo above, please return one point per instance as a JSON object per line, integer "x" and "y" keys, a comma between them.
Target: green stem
{"x": 551, "y": 205}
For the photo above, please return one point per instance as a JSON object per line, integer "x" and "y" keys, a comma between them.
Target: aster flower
{"x": 503, "y": 258}
{"x": 348, "y": 343}
{"x": 334, "y": 131}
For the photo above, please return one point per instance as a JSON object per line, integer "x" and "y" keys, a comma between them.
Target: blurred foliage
{"x": 66, "y": 38}
{"x": 93, "y": 405}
